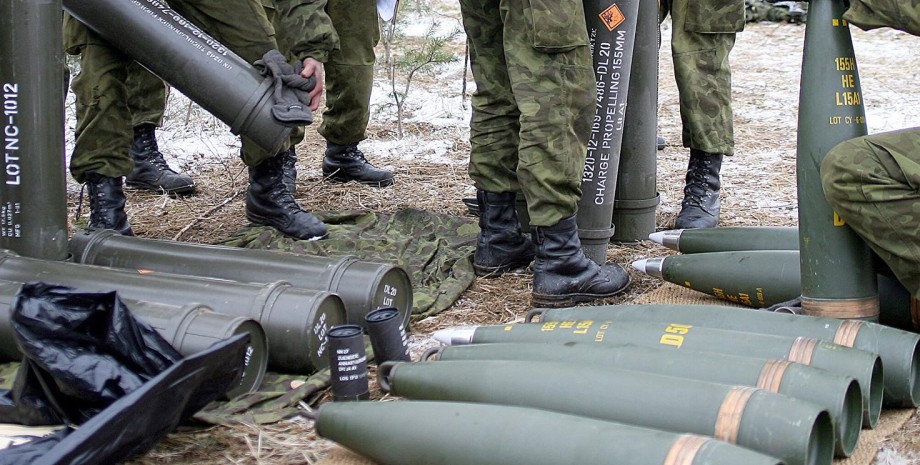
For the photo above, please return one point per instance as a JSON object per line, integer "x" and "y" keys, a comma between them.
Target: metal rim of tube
{"x": 532, "y": 313}
{"x": 384, "y": 372}
{"x": 431, "y": 352}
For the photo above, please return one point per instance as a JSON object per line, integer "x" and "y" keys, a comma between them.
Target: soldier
{"x": 703, "y": 35}
{"x": 103, "y": 134}
{"x": 871, "y": 181}
{"x": 349, "y": 80}
{"x": 532, "y": 111}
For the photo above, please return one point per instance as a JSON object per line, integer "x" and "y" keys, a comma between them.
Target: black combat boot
{"x": 343, "y": 163}
{"x": 289, "y": 168}
{"x": 500, "y": 246}
{"x": 107, "y": 204}
{"x": 563, "y": 275}
{"x": 700, "y": 207}
{"x": 150, "y": 169}
{"x": 269, "y": 203}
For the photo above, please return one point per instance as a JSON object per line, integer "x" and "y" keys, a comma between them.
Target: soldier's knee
{"x": 837, "y": 170}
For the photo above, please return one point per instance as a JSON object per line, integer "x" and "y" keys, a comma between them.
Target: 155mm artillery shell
{"x": 864, "y": 367}
{"x": 427, "y": 433}
{"x": 899, "y": 350}
{"x": 837, "y": 275}
{"x": 729, "y": 238}
{"x": 795, "y": 431}
{"x": 757, "y": 278}
{"x": 839, "y": 395}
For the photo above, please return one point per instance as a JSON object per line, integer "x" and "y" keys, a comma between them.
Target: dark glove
{"x": 291, "y": 92}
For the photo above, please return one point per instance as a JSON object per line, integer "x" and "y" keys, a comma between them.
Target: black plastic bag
{"x": 88, "y": 360}
{"x": 134, "y": 423}
{"x": 82, "y": 351}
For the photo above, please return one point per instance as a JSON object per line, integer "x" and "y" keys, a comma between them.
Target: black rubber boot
{"x": 289, "y": 168}
{"x": 700, "y": 207}
{"x": 150, "y": 169}
{"x": 107, "y": 204}
{"x": 343, "y": 163}
{"x": 269, "y": 203}
{"x": 563, "y": 275}
{"x": 500, "y": 246}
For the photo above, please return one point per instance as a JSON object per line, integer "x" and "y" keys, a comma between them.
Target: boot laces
{"x": 279, "y": 193}
{"x": 151, "y": 154}
{"x": 357, "y": 154}
{"x": 97, "y": 215}
{"x": 697, "y": 186}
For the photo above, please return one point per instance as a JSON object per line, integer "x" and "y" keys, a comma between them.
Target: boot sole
{"x": 568, "y": 300}
{"x": 490, "y": 272}
{"x": 337, "y": 178}
{"x": 262, "y": 221}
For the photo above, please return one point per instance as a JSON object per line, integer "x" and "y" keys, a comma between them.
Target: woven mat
{"x": 870, "y": 440}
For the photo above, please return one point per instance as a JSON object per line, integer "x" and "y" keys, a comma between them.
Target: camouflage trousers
{"x": 350, "y": 71}
{"x": 534, "y": 101}
{"x": 873, "y": 183}
{"x": 703, "y": 34}
{"x": 104, "y": 119}
{"x": 97, "y": 134}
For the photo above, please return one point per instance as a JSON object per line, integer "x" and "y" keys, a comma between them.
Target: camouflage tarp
{"x": 279, "y": 397}
{"x": 436, "y": 250}
{"x": 775, "y": 11}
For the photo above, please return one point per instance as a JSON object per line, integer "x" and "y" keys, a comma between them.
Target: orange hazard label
{"x": 612, "y": 17}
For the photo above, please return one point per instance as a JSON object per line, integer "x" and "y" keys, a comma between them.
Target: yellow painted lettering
{"x": 838, "y": 221}
{"x": 672, "y": 340}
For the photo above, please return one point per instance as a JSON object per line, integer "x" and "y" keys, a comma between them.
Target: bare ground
{"x": 759, "y": 189}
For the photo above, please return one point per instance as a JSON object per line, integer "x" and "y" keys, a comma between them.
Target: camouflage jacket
{"x": 903, "y": 15}
{"x": 303, "y": 28}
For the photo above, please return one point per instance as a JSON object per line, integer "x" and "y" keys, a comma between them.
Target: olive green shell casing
{"x": 898, "y": 349}
{"x": 729, "y": 238}
{"x": 426, "y": 433}
{"x": 864, "y": 367}
{"x": 837, "y": 275}
{"x": 795, "y": 431}
{"x": 839, "y": 395}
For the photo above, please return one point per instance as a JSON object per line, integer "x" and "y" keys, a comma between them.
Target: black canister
{"x": 348, "y": 363}
{"x": 387, "y": 334}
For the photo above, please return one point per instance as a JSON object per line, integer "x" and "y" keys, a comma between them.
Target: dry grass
{"x": 759, "y": 190}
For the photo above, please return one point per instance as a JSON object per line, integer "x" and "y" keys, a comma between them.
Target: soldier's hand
{"x": 314, "y": 68}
